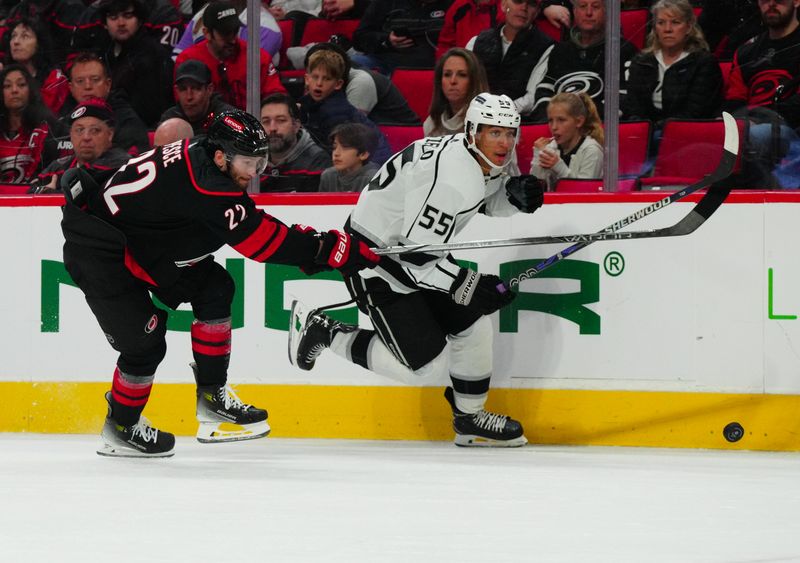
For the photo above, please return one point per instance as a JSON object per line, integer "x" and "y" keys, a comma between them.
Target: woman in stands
{"x": 27, "y": 43}
{"x": 675, "y": 75}
{"x": 576, "y": 148}
{"x": 458, "y": 77}
{"x": 23, "y": 126}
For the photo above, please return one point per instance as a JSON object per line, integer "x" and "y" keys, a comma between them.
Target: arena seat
{"x": 592, "y": 185}
{"x": 317, "y": 30}
{"x": 400, "y": 136}
{"x": 346, "y": 27}
{"x": 527, "y": 135}
{"x": 548, "y": 28}
{"x": 14, "y": 189}
{"x": 416, "y": 86}
{"x": 287, "y": 31}
{"x": 634, "y": 143}
{"x": 634, "y": 26}
{"x": 689, "y": 150}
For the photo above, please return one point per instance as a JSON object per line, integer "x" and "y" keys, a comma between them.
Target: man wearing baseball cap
{"x": 225, "y": 54}
{"x": 91, "y": 131}
{"x": 197, "y": 102}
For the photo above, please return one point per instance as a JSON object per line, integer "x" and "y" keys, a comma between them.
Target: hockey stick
{"x": 688, "y": 224}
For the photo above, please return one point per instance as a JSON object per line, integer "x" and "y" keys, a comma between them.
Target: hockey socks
{"x": 129, "y": 395}
{"x": 211, "y": 348}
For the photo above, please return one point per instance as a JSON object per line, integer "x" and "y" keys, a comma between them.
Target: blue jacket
{"x": 320, "y": 118}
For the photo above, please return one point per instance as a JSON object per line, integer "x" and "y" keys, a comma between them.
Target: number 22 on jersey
{"x": 146, "y": 169}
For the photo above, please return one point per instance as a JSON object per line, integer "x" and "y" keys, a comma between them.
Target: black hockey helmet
{"x": 237, "y": 132}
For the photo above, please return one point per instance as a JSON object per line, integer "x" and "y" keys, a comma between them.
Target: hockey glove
{"x": 310, "y": 268}
{"x": 340, "y": 252}
{"x": 485, "y": 293}
{"x": 525, "y": 192}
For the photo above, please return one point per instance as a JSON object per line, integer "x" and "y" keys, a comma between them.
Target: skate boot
{"x": 223, "y": 417}
{"x": 310, "y": 332}
{"x": 484, "y": 428}
{"x": 138, "y": 440}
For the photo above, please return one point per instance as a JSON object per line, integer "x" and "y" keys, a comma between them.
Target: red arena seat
{"x": 287, "y": 31}
{"x": 634, "y": 142}
{"x": 400, "y": 136}
{"x": 416, "y": 85}
{"x": 689, "y": 150}
{"x": 634, "y": 26}
{"x": 527, "y": 135}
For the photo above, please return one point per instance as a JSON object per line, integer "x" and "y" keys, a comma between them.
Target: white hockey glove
{"x": 525, "y": 192}
{"x": 485, "y": 293}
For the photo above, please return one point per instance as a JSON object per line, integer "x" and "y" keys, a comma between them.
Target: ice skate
{"x": 484, "y": 428}
{"x": 223, "y": 417}
{"x": 310, "y": 332}
{"x": 138, "y": 440}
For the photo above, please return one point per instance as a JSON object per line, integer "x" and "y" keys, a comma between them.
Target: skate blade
{"x": 472, "y": 441}
{"x": 214, "y": 432}
{"x": 109, "y": 450}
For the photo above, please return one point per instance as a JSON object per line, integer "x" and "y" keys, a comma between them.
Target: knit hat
{"x": 93, "y": 107}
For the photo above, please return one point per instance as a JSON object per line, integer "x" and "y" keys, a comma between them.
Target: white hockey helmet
{"x": 493, "y": 110}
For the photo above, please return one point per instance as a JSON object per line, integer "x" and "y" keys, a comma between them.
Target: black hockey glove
{"x": 485, "y": 293}
{"x": 340, "y": 252}
{"x": 525, "y": 192}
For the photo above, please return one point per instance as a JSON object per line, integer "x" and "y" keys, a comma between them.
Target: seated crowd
{"x": 93, "y": 83}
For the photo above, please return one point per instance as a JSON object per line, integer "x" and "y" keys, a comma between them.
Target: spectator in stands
{"x": 578, "y": 63}
{"x": 89, "y": 78}
{"x": 325, "y": 105}
{"x": 171, "y": 130}
{"x": 371, "y": 92}
{"x": 226, "y": 56}
{"x": 28, "y": 43}
{"x": 91, "y": 132}
{"x": 344, "y": 9}
{"x": 729, "y": 24}
{"x": 295, "y": 161}
{"x": 197, "y": 102}
{"x": 514, "y": 54}
{"x": 465, "y": 19}
{"x": 576, "y": 148}
{"x": 282, "y": 8}
{"x": 764, "y": 79}
{"x": 395, "y": 33}
{"x": 557, "y": 12}
{"x": 139, "y": 65}
{"x": 23, "y": 126}
{"x": 459, "y": 77}
{"x": 270, "y": 32}
{"x": 351, "y": 171}
{"x": 675, "y": 75}
{"x": 58, "y": 17}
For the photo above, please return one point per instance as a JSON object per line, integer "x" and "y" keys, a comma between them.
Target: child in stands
{"x": 353, "y": 143}
{"x": 576, "y": 148}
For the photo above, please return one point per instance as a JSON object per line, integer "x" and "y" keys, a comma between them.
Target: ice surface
{"x": 279, "y": 500}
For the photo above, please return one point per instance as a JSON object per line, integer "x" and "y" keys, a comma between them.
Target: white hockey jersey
{"x": 425, "y": 193}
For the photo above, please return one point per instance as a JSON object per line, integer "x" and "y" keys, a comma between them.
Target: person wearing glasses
{"x": 89, "y": 78}
{"x": 92, "y": 127}
{"x": 225, "y": 54}
{"x": 514, "y": 53}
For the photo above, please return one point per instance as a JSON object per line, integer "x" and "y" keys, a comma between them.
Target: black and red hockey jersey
{"x": 176, "y": 207}
{"x": 21, "y": 155}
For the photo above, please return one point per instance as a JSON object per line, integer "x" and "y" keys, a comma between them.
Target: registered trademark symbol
{"x": 614, "y": 263}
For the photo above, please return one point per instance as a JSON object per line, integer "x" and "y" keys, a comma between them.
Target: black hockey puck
{"x": 733, "y": 432}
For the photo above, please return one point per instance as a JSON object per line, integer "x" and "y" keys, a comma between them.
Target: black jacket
{"x": 215, "y": 106}
{"x": 692, "y": 88}
{"x": 143, "y": 68}
{"x": 571, "y": 67}
{"x": 423, "y": 21}
{"x": 509, "y": 74}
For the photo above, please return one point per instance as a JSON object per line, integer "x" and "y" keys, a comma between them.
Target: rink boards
{"x": 657, "y": 342}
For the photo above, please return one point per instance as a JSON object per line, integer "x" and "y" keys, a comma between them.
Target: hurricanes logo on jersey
{"x": 151, "y": 324}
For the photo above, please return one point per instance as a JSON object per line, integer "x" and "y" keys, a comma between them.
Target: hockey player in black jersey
{"x": 152, "y": 229}
{"x": 429, "y": 313}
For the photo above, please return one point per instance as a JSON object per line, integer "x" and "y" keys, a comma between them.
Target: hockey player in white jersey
{"x": 417, "y": 303}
